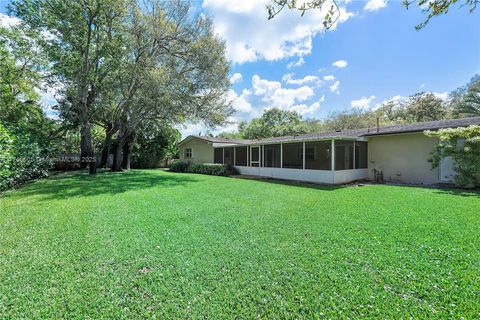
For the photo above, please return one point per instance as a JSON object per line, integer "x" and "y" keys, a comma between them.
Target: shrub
{"x": 463, "y": 145}
{"x": 212, "y": 169}
{"x": 22, "y": 158}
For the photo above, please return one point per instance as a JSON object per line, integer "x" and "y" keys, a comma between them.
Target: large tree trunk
{"x": 106, "y": 146}
{"x": 117, "y": 156}
{"x": 127, "y": 152}
{"x": 83, "y": 149}
{"x": 87, "y": 153}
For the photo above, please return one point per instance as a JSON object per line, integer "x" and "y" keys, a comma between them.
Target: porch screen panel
{"x": 241, "y": 156}
{"x": 272, "y": 156}
{"x": 318, "y": 155}
{"x": 229, "y": 156}
{"x": 218, "y": 155}
{"x": 361, "y": 155}
{"x": 343, "y": 155}
{"x": 255, "y": 154}
{"x": 293, "y": 155}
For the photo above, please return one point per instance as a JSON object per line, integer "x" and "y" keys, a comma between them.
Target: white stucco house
{"x": 397, "y": 153}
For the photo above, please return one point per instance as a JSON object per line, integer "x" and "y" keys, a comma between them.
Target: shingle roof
{"x": 357, "y": 133}
{"x": 422, "y": 126}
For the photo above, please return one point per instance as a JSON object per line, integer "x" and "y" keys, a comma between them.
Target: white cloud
{"x": 328, "y": 78}
{"x": 303, "y": 109}
{"x": 335, "y": 87}
{"x": 250, "y": 36}
{"x": 272, "y": 93}
{"x": 288, "y": 78}
{"x": 397, "y": 100}
{"x": 340, "y": 64}
{"x": 374, "y": 5}
{"x": 295, "y": 64}
{"x": 237, "y": 77}
{"x": 363, "y": 102}
{"x": 240, "y": 103}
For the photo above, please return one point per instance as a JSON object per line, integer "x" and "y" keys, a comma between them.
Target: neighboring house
{"x": 397, "y": 153}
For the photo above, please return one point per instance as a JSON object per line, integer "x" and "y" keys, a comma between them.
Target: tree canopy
{"x": 332, "y": 10}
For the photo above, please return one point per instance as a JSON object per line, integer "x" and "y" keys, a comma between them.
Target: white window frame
{"x": 185, "y": 153}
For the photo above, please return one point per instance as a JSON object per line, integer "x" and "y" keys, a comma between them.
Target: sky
{"x": 371, "y": 55}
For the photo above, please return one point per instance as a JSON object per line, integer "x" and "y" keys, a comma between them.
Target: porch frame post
{"x": 333, "y": 161}
{"x": 234, "y": 156}
{"x": 354, "y": 146}
{"x": 333, "y": 155}
{"x": 303, "y": 155}
{"x": 223, "y": 156}
{"x": 281, "y": 155}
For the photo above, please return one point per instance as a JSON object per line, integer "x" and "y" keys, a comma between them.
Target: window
{"x": 241, "y": 156}
{"x": 361, "y": 155}
{"x": 293, "y": 155}
{"x": 343, "y": 155}
{"x": 272, "y": 156}
{"x": 218, "y": 155}
{"x": 188, "y": 153}
{"x": 318, "y": 155}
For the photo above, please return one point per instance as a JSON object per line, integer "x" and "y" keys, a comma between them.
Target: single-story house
{"x": 397, "y": 153}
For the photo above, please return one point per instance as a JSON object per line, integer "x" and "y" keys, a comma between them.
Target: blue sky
{"x": 381, "y": 56}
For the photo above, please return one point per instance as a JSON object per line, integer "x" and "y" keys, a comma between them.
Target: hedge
{"x": 212, "y": 169}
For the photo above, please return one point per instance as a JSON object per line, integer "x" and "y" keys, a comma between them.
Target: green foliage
{"x": 153, "y": 145}
{"x": 26, "y": 135}
{"x": 438, "y": 7}
{"x": 212, "y": 169}
{"x": 6, "y": 156}
{"x": 463, "y": 145}
{"x": 332, "y": 13}
{"x": 466, "y": 99}
{"x": 273, "y": 123}
{"x": 154, "y": 244}
{"x": 348, "y": 120}
{"x": 22, "y": 158}
{"x": 332, "y": 10}
{"x": 425, "y": 107}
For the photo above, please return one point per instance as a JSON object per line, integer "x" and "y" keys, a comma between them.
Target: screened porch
{"x": 324, "y": 161}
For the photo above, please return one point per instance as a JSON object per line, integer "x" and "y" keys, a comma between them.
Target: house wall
{"x": 317, "y": 176}
{"x": 202, "y": 151}
{"x": 403, "y": 158}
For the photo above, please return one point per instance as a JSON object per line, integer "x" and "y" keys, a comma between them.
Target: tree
{"x": 83, "y": 42}
{"x": 425, "y": 106}
{"x": 153, "y": 144}
{"x": 331, "y": 16}
{"x": 438, "y": 7}
{"x": 466, "y": 100}
{"x": 463, "y": 145}
{"x": 349, "y": 120}
{"x": 19, "y": 78}
{"x": 174, "y": 71}
{"x": 429, "y": 8}
{"x": 25, "y": 133}
{"x": 273, "y": 123}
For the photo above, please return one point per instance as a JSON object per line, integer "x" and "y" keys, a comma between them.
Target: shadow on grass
{"x": 459, "y": 192}
{"x": 76, "y": 184}
{"x": 293, "y": 183}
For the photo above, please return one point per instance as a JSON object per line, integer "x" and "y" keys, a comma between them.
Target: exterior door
{"x": 447, "y": 169}
{"x": 255, "y": 156}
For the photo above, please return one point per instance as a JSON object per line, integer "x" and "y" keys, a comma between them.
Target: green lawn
{"x": 159, "y": 244}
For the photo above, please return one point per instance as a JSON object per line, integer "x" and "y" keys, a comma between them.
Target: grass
{"x": 158, "y": 244}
